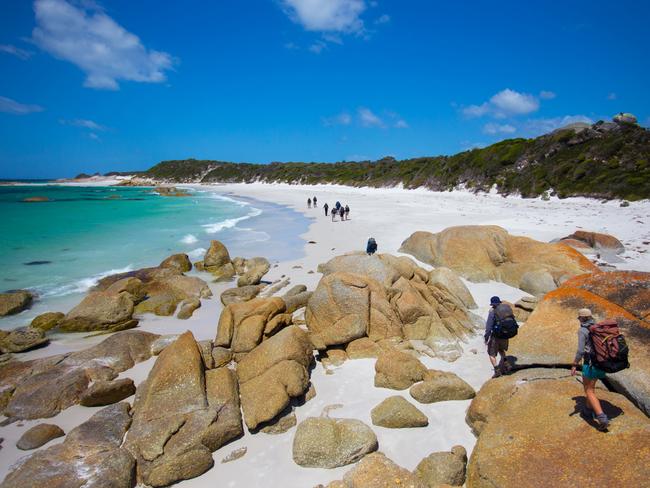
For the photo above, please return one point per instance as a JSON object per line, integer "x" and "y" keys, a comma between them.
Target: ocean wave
{"x": 228, "y": 199}
{"x": 230, "y": 223}
{"x": 189, "y": 239}
{"x": 199, "y": 252}
{"x": 80, "y": 286}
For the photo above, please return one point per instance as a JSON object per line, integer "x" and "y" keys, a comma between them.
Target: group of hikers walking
{"x": 337, "y": 209}
{"x": 601, "y": 350}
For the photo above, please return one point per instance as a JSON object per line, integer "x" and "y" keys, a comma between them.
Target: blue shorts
{"x": 592, "y": 372}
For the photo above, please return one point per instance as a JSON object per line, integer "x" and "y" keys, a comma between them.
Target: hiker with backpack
{"x": 602, "y": 349}
{"x": 500, "y": 327}
{"x": 371, "y": 247}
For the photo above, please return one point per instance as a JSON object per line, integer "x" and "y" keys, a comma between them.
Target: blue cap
{"x": 495, "y": 301}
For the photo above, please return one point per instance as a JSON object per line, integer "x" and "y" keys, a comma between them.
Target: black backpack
{"x": 505, "y": 325}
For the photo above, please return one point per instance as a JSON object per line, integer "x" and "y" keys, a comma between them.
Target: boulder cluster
{"x": 365, "y": 304}
{"x": 200, "y": 395}
{"x": 487, "y": 252}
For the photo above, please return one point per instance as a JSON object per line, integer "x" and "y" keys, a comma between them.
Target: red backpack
{"x": 609, "y": 351}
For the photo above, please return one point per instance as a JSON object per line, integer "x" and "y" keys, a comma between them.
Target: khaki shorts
{"x": 496, "y": 345}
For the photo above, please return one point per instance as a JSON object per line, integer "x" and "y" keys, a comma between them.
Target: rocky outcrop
{"x": 375, "y": 470}
{"x": 593, "y": 242}
{"x": 102, "y": 393}
{"x": 180, "y": 262}
{"x": 362, "y": 348}
{"x": 524, "y": 307}
{"x": 272, "y": 374}
{"x": 395, "y": 298}
{"x": 396, "y": 412}
{"x": 296, "y": 298}
{"x": 217, "y": 262}
{"x": 440, "y": 386}
{"x": 182, "y": 414}
{"x": 621, "y": 295}
{"x": 14, "y": 302}
{"x": 449, "y": 280}
{"x": 241, "y": 325}
{"x": 443, "y": 468}
{"x": 322, "y": 442}
{"x": 240, "y": 294}
{"x": 483, "y": 253}
{"x": 90, "y": 456}
{"x": 253, "y": 271}
{"x": 99, "y": 311}
{"x": 552, "y": 401}
{"x": 398, "y": 370}
{"x": 348, "y": 306}
{"x": 47, "y": 321}
{"x": 43, "y": 387}
{"x": 39, "y": 435}
{"x": 156, "y": 290}
{"x": 187, "y": 308}
{"x": 22, "y": 339}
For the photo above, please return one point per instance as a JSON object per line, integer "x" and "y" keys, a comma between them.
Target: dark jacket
{"x": 372, "y": 246}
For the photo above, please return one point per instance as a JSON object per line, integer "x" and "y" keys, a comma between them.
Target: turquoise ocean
{"x": 59, "y": 248}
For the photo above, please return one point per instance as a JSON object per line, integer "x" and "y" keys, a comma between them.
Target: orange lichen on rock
{"x": 580, "y": 259}
{"x": 628, "y": 289}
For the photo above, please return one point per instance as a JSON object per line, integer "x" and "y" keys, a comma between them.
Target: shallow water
{"x": 59, "y": 248}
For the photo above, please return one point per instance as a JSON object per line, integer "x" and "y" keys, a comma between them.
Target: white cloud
{"x": 94, "y": 136}
{"x": 547, "y": 95}
{"x": 343, "y": 118}
{"x": 506, "y": 103}
{"x": 612, "y": 96}
{"x": 510, "y": 102}
{"x": 16, "y": 51}
{"x": 474, "y": 111}
{"x": 99, "y": 46}
{"x": 537, "y": 127}
{"x": 494, "y": 129}
{"x": 84, "y": 123}
{"x": 369, "y": 119}
{"x": 327, "y": 15}
{"x": 10, "y": 106}
{"x": 384, "y": 19}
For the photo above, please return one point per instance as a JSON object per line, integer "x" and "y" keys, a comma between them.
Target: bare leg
{"x": 493, "y": 360}
{"x": 590, "y": 394}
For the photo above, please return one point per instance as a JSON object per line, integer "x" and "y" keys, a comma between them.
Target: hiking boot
{"x": 497, "y": 372}
{"x": 602, "y": 421}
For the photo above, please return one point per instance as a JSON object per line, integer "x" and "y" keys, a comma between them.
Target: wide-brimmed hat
{"x": 495, "y": 301}
{"x": 584, "y": 312}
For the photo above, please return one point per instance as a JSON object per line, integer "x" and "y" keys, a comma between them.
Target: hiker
{"x": 315, "y": 202}
{"x": 371, "y": 247}
{"x": 326, "y": 206}
{"x": 338, "y": 205}
{"x": 333, "y": 214}
{"x": 500, "y": 326}
{"x": 590, "y": 372}
{"x": 347, "y": 212}
{"x": 309, "y": 203}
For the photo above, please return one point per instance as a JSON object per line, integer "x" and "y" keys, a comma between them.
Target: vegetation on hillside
{"x": 606, "y": 160}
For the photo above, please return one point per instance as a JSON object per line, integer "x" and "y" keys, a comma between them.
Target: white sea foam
{"x": 197, "y": 253}
{"x": 230, "y": 223}
{"x": 189, "y": 239}
{"x": 81, "y": 286}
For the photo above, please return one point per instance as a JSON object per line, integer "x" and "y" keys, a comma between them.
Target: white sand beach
{"x": 389, "y": 215}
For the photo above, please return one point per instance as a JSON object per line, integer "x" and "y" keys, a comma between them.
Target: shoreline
{"x": 390, "y": 215}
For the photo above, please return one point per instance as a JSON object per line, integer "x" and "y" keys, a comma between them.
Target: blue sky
{"x": 121, "y": 85}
